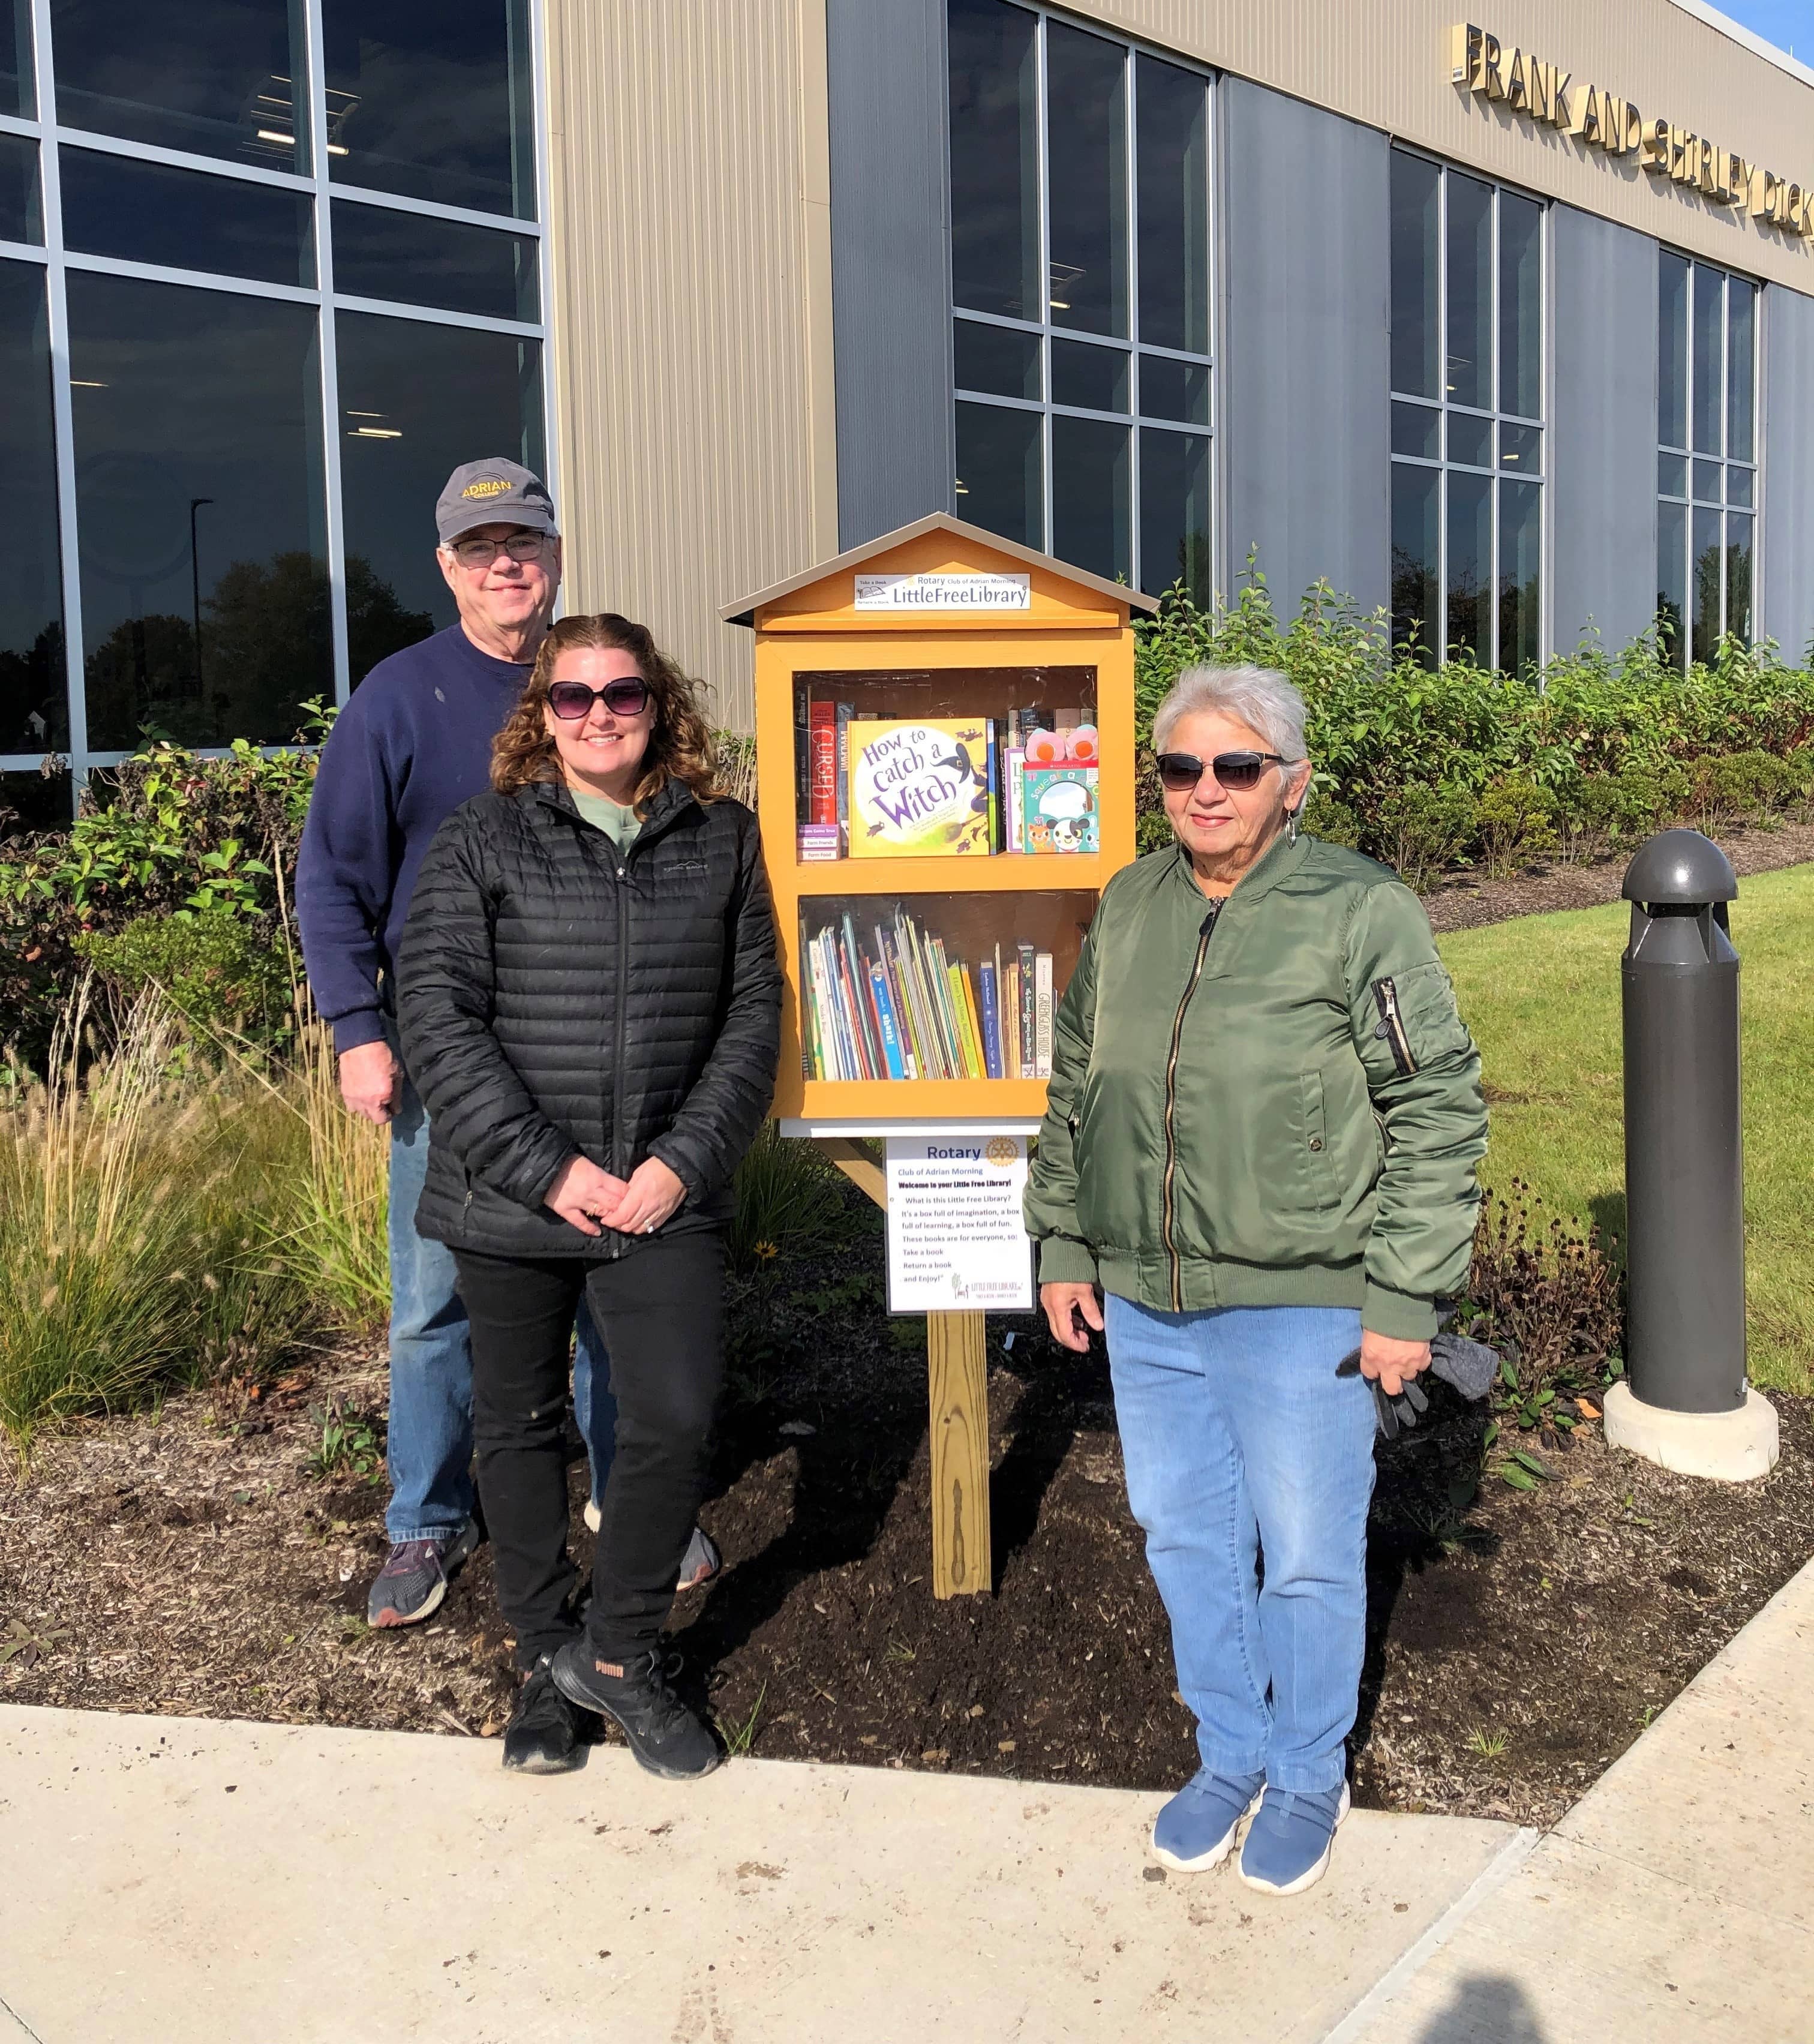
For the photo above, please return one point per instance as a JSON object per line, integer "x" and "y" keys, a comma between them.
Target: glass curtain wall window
{"x": 1468, "y": 443}
{"x": 1080, "y": 295}
{"x": 1707, "y": 473}
{"x": 295, "y": 248}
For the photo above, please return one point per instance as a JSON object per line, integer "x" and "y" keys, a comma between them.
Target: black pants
{"x": 660, "y": 1308}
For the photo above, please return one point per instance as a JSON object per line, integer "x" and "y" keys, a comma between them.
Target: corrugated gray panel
{"x": 1306, "y": 415}
{"x": 687, "y": 321}
{"x": 1789, "y": 470}
{"x": 1603, "y": 436}
{"x": 890, "y": 262}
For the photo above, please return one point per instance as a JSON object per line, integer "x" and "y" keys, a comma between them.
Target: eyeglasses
{"x": 482, "y": 553}
{"x": 1236, "y": 771}
{"x": 627, "y": 697}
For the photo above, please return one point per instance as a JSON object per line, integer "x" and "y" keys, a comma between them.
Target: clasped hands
{"x": 591, "y": 1200}
{"x": 1072, "y": 1310}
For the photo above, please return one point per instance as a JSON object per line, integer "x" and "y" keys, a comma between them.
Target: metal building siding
{"x": 1386, "y": 63}
{"x": 691, "y": 313}
{"x": 1305, "y": 420}
{"x": 1603, "y": 431}
{"x": 891, "y": 263}
{"x": 1787, "y": 524}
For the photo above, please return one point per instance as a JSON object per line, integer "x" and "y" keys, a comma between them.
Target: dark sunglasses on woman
{"x": 571, "y": 700}
{"x": 1237, "y": 771}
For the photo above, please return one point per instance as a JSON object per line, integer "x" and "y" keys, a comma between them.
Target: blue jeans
{"x": 431, "y": 1362}
{"x": 1239, "y": 1440}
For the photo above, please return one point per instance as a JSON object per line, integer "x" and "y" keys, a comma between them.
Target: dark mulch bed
{"x": 1464, "y": 901}
{"x": 182, "y": 1563}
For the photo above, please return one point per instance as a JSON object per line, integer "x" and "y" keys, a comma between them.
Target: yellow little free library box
{"x": 945, "y": 771}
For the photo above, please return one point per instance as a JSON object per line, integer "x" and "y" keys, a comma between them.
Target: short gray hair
{"x": 1266, "y": 702}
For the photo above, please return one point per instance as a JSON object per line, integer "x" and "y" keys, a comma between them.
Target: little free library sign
{"x": 1546, "y": 93}
{"x": 944, "y": 588}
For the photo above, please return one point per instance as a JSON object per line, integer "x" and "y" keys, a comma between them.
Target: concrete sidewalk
{"x": 168, "y": 1879}
{"x": 1674, "y": 1900}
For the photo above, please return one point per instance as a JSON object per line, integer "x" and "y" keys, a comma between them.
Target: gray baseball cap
{"x": 492, "y": 492}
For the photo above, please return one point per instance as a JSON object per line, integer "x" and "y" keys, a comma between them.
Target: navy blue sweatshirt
{"x": 412, "y": 745}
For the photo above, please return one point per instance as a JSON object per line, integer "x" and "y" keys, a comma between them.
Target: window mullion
{"x": 62, "y": 418}
{"x": 315, "y": 40}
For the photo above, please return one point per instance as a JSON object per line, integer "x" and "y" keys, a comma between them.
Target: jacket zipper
{"x": 622, "y": 868}
{"x": 1391, "y": 1028}
{"x": 1177, "y": 1268}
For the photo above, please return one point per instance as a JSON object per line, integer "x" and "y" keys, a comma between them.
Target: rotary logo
{"x": 1002, "y": 1150}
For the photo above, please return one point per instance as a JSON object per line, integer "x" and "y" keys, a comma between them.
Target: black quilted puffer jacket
{"x": 556, "y": 996}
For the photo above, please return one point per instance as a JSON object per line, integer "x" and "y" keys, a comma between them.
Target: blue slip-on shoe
{"x": 1196, "y": 1829}
{"x": 1288, "y": 1844}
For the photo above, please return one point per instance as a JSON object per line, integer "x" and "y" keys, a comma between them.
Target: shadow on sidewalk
{"x": 1485, "y": 2009}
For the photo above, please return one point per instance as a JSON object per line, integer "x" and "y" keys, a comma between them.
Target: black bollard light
{"x": 1686, "y": 1402}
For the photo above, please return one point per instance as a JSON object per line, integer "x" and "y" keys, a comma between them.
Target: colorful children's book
{"x": 1060, "y": 808}
{"x": 918, "y": 789}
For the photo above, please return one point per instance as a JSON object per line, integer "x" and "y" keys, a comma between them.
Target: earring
{"x": 1291, "y": 825}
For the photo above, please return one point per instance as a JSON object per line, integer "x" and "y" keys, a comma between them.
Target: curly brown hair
{"x": 680, "y": 744}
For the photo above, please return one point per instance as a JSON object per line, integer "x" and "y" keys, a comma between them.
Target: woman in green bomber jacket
{"x": 1259, "y": 1145}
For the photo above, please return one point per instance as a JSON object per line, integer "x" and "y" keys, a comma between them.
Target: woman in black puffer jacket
{"x": 590, "y": 1001}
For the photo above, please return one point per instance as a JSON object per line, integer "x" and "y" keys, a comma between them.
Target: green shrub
{"x": 1423, "y": 830}
{"x": 1380, "y": 722}
{"x": 1518, "y": 818}
{"x": 216, "y": 969}
{"x": 1742, "y": 787}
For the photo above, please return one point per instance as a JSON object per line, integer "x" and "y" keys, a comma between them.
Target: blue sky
{"x": 1789, "y": 24}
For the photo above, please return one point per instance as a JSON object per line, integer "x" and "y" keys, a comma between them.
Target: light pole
{"x": 195, "y": 504}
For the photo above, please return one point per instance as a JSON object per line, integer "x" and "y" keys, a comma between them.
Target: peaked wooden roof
{"x": 743, "y": 613}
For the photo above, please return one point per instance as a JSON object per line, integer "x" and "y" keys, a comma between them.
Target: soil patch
{"x": 1464, "y": 902}
{"x": 194, "y": 1562}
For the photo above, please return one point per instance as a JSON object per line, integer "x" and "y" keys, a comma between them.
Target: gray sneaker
{"x": 698, "y": 1565}
{"x": 415, "y": 1576}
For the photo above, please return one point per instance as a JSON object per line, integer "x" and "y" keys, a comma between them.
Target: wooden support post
{"x": 958, "y": 1385}
{"x": 858, "y": 1166}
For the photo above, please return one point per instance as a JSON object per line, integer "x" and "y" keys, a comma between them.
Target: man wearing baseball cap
{"x": 411, "y": 746}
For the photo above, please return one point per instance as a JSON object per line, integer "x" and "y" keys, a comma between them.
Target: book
{"x": 994, "y": 790}
{"x": 869, "y": 1030}
{"x": 1011, "y": 1019}
{"x": 1042, "y": 1015}
{"x": 917, "y": 789}
{"x": 979, "y": 1057}
{"x": 1013, "y": 762}
{"x": 802, "y": 752}
{"x": 1029, "y": 1021}
{"x": 814, "y": 843}
{"x": 890, "y": 1027}
{"x": 991, "y": 1021}
{"x": 1060, "y": 807}
{"x": 845, "y": 713}
{"x": 822, "y": 735}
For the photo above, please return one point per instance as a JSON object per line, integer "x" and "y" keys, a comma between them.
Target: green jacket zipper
{"x": 1391, "y": 1028}
{"x": 1176, "y": 1267}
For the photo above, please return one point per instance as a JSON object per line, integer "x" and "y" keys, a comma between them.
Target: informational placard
{"x": 944, "y": 588}
{"x": 956, "y": 1242}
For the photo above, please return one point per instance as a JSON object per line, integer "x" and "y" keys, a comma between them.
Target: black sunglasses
{"x": 1235, "y": 770}
{"x": 571, "y": 700}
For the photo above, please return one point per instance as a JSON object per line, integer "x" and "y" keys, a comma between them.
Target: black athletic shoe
{"x": 663, "y": 1734}
{"x": 546, "y": 1734}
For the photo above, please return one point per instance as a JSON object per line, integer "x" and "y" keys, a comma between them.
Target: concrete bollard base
{"x": 1727, "y": 1447}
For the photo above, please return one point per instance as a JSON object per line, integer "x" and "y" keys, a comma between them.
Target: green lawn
{"x": 1541, "y": 995}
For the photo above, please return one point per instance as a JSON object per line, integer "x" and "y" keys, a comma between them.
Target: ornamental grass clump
{"x": 131, "y": 1257}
